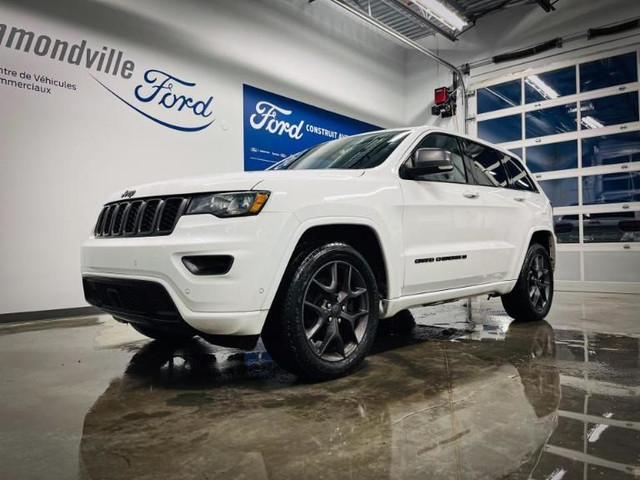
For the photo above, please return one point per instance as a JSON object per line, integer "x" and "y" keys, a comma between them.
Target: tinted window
{"x": 611, "y": 149}
{"x": 501, "y": 130}
{"x": 449, "y": 143}
{"x": 518, "y": 177}
{"x": 611, "y": 188}
{"x": 551, "y": 121}
{"x": 554, "y": 156}
{"x": 606, "y": 111}
{"x": 485, "y": 165}
{"x": 550, "y": 85}
{"x": 516, "y": 151}
{"x": 612, "y": 227}
{"x": 497, "y": 97}
{"x": 566, "y": 228}
{"x": 562, "y": 192}
{"x": 360, "y": 151}
{"x": 608, "y": 72}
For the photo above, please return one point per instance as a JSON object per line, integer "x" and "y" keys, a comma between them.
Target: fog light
{"x": 208, "y": 264}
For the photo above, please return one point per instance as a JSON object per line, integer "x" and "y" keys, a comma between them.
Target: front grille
{"x": 140, "y": 218}
{"x": 131, "y": 299}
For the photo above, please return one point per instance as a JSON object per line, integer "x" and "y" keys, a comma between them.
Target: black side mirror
{"x": 427, "y": 161}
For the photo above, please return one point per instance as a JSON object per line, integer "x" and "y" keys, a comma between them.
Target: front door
{"x": 446, "y": 240}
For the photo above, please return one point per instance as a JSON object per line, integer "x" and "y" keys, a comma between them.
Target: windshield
{"x": 362, "y": 151}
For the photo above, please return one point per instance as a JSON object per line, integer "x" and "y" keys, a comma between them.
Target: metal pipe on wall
{"x": 415, "y": 46}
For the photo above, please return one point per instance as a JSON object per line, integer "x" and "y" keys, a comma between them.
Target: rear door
{"x": 443, "y": 226}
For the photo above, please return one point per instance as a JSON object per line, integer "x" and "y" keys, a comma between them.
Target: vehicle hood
{"x": 227, "y": 182}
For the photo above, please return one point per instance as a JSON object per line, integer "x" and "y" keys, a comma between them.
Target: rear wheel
{"x": 325, "y": 318}
{"x": 531, "y": 298}
{"x": 162, "y": 336}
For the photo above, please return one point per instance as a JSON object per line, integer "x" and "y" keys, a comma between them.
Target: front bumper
{"x": 231, "y": 304}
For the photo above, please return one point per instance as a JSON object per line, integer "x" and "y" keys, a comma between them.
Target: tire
{"x": 324, "y": 320}
{"x": 531, "y": 298}
{"x": 162, "y": 336}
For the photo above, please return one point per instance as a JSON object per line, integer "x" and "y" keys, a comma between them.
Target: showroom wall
{"x": 73, "y": 128}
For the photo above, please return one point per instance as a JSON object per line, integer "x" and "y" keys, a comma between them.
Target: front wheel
{"x": 325, "y": 318}
{"x": 531, "y": 298}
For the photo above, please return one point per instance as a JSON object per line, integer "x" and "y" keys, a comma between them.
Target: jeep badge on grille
{"x": 128, "y": 194}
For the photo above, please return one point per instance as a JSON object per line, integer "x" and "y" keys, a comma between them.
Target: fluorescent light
{"x": 443, "y": 13}
{"x": 591, "y": 122}
{"x": 541, "y": 87}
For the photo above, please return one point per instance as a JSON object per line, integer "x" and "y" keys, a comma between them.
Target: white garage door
{"x": 576, "y": 124}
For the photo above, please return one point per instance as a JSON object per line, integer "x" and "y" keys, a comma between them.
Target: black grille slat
{"x": 97, "y": 231}
{"x": 132, "y": 218}
{"x": 149, "y": 216}
{"x": 106, "y": 227}
{"x": 140, "y": 218}
{"x": 172, "y": 207}
{"x": 119, "y": 218}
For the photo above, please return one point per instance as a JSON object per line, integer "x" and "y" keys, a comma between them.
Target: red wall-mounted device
{"x": 441, "y": 95}
{"x": 444, "y": 102}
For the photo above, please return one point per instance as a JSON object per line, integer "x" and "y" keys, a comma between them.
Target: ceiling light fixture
{"x": 540, "y": 85}
{"x": 442, "y": 13}
{"x": 591, "y": 122}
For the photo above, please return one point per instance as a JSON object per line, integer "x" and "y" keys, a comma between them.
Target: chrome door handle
{"x": 519, "y": 199}
{"x": 471, "y": 194}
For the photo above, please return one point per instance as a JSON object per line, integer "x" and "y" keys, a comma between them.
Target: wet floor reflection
{"x": 493, "y": 400}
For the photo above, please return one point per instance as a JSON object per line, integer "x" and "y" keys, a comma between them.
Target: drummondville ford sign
{"x": 276, "y": 127}
{"x": 163, "y": 97}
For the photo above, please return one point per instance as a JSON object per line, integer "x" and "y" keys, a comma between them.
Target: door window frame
{"x": 416, "y": 146}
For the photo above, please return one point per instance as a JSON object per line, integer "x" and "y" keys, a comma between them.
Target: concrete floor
{"x": 452, "y": 397}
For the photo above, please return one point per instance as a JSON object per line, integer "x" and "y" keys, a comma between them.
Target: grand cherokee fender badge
{"x": 441, "y": 259}
{"x": 128, "y": 194}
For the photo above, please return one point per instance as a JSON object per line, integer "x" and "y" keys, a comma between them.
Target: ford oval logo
{"x": 128, "y": 194}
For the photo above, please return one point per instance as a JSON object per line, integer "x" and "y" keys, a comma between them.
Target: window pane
{"x": 485, "y": 164}
{"x": 608, "y": 72}
{"x": 550, "y": 121}
{"x": 550, "y": 85}
{"x": 500, "y": 130}
{"x": 611, "y": 188}
{"x": 518, "y": 177}
{"x": 611, "y": 149}
{"x": 497, "y": 97}
{"x": 449, "y": 143}
{"x": 614, "y": 110}
{"x": 516, "y": 151}
{"x": 562, "y": 192}
{"x": 566, "y": 228}
{"x": 612, "y": 227}
{"x": 555, "y": 156}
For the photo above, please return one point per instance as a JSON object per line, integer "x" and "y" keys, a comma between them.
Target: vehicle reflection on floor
{"x": 493, "y": 400}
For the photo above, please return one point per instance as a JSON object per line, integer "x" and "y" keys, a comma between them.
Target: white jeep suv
{"x": 311, "y": 253}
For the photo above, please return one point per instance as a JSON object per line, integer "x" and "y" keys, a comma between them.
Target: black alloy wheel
{"x": 532, "y": 296}
{"x": 336, "y": 310}
{"x": 324, "y": 320}
{"x": 539, "y": 282}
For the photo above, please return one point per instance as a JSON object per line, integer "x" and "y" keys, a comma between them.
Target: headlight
{"x": 233, "y": 204}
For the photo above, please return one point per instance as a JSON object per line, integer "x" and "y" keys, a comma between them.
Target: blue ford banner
{"x": 276, "y": 127}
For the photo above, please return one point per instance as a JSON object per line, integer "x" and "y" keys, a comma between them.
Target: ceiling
{"x": 412, "y": 21}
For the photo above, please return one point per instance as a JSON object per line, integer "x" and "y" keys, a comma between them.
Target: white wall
{"x": 512, "y": 29}
{"x": 64, "y": 153}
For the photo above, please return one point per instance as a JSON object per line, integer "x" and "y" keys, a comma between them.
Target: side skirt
{"x": 393, "y": 306}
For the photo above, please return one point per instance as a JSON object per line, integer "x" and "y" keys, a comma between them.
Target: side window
{"x": 485, "y": 164}
{"x": 518, "y": 177}
{"x": 445, "y": 142}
